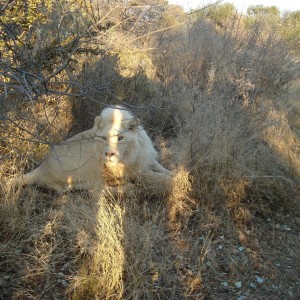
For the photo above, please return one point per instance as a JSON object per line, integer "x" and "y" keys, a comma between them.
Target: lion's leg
{"x": 29, "y": 178}
{"x": 38, "y": 177}
{"x": 157, "y": 167}
{"x": 156, "y": 182}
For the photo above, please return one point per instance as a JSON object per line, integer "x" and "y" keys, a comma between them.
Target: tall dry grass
{"x": 86, "y": 246}
{"x": 236, "y": 142}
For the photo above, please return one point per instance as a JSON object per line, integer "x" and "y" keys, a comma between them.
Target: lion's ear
{"x": 133, "y": 124}
{"x": 98, "y": 123}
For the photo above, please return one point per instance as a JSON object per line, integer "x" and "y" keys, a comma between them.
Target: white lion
{"x": 116, "y": 152}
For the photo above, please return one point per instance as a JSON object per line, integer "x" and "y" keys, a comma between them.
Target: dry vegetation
{"x": 213, "y": 100}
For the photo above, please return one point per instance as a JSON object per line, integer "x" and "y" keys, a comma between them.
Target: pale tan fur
{"x": 115, "y": 152}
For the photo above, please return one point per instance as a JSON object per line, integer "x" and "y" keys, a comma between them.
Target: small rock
{"x": 238, "y": 284}
{"x": 252, "y": 285}
{"x": 208, "y": 263}
{"x": 241, "y": 249}
{"x": 64, "y": 283}
{"x": 259, "y": 279}
{"x": 220, "y": 247}
{"x": 225, "y": 284}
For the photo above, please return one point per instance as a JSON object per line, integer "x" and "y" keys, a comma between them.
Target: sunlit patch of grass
{"x": 101, "y": 257}
{"x": 180, "y": 204}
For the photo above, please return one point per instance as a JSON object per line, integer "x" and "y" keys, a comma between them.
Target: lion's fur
{"x": 75, "y": 163}
{"x": 116, "y": 151}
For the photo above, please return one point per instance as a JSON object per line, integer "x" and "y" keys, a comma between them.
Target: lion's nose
{"x": 109, "y": 154}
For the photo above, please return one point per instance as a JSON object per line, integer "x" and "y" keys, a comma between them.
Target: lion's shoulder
{"x": 81, "y": 142}
{"x": 143, "y": 152}
{"x": 82, "y": 136}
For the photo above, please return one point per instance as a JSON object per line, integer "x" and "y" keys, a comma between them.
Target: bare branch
{"x": 38, "y": 138}
{"x": 205, "y": 7}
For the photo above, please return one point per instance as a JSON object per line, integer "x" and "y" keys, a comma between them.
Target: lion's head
{"x": 117, "y": 128}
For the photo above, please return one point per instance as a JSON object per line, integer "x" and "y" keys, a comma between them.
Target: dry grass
{"x": 252, "y": 159}
{"x": 81, "y": 245}
{"x": 228, "y": 228}
{"x": 101, "y": 253}
{"x": 85, "y": 246}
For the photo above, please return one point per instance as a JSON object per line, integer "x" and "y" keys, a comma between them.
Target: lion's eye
{"x": 120, "y": 138}
{"x": 104, "y": 138}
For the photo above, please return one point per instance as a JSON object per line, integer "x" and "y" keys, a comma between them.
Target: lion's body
{"x": 73, "y": 164}
{"x": 116, "y": 151}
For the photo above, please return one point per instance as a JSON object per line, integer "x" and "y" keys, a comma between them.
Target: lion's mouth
{"x": 111, "y": 160}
